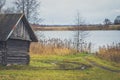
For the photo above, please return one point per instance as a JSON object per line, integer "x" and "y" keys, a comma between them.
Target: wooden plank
{"x": 0, "y": 54}
{"x": 0, "y": 57}
{"x": 17, "y": 62}
{"x": 17, "y": 53}
{"x": 21, "y": 52}
{"x": 18, "y": 45}
{"x": 17, "y": 49}
{"x": 13, "y": 59}
{"x": 16, "y": 58}
{"x": 0, "y": 62}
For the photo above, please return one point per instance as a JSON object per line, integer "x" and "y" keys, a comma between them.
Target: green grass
{"x": 53, "y": 67}
{"x": 102, "y": 62}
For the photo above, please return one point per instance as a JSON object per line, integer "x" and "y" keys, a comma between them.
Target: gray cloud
{"x": 94, "y": 11}
{"x": 63, "y": 11}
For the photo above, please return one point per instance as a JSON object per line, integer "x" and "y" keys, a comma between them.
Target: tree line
{"x": 108, "y": 22}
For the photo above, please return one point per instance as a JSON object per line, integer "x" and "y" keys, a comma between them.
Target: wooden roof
{"x": 8, "y": 22}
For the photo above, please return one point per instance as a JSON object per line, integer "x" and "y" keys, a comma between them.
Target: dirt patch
{"x": 67, "y": 65}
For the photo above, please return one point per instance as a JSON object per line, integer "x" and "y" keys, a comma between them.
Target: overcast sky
{"x": 64, "y": 11}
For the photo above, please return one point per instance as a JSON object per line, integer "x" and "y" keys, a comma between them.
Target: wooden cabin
{"x": 15, "y": 38}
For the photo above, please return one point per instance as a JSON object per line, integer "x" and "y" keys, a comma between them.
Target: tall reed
{"x": 110, "y": 52}
{"x": 56, "y": 46}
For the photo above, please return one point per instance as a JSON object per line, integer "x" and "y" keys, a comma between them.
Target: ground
{"x": 68, "y": 67}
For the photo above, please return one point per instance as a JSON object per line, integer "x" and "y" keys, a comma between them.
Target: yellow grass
{"x": 38, "y": 48}
{"x": 110, "y": 52}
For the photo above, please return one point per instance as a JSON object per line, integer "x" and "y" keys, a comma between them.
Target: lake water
{"x": 97, "y": 38}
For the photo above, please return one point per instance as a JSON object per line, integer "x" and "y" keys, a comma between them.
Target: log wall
{"x": 2, "y": 50}
{"x": 17, "y": 52}
{"x": 0, "y": 57}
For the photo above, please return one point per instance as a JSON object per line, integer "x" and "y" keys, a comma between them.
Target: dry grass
{"x": 38, "y": 48}
{"x": 57, "y": 47}
{"x": 110, "y": 52}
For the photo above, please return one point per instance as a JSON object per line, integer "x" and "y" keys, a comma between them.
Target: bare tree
{"x": 2, "y": 3}
{"x": 29, "y": 8}
{"x": 107, "y": 21}
{"x": 80, "y": 34}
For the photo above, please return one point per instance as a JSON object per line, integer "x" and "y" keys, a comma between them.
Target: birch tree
{"x": 80, "y": 34}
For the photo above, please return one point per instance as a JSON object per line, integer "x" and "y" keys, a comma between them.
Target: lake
{"x": 97, "y": 38}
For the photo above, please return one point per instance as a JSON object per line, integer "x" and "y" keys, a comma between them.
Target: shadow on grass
{"x": 56, "y": 65}
{"x": 20, "y": 67}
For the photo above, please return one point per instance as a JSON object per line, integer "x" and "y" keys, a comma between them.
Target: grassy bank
{"x": 52, "y": 67}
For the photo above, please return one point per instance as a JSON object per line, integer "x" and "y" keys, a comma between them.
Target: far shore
{"x": 74, "y": 27}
